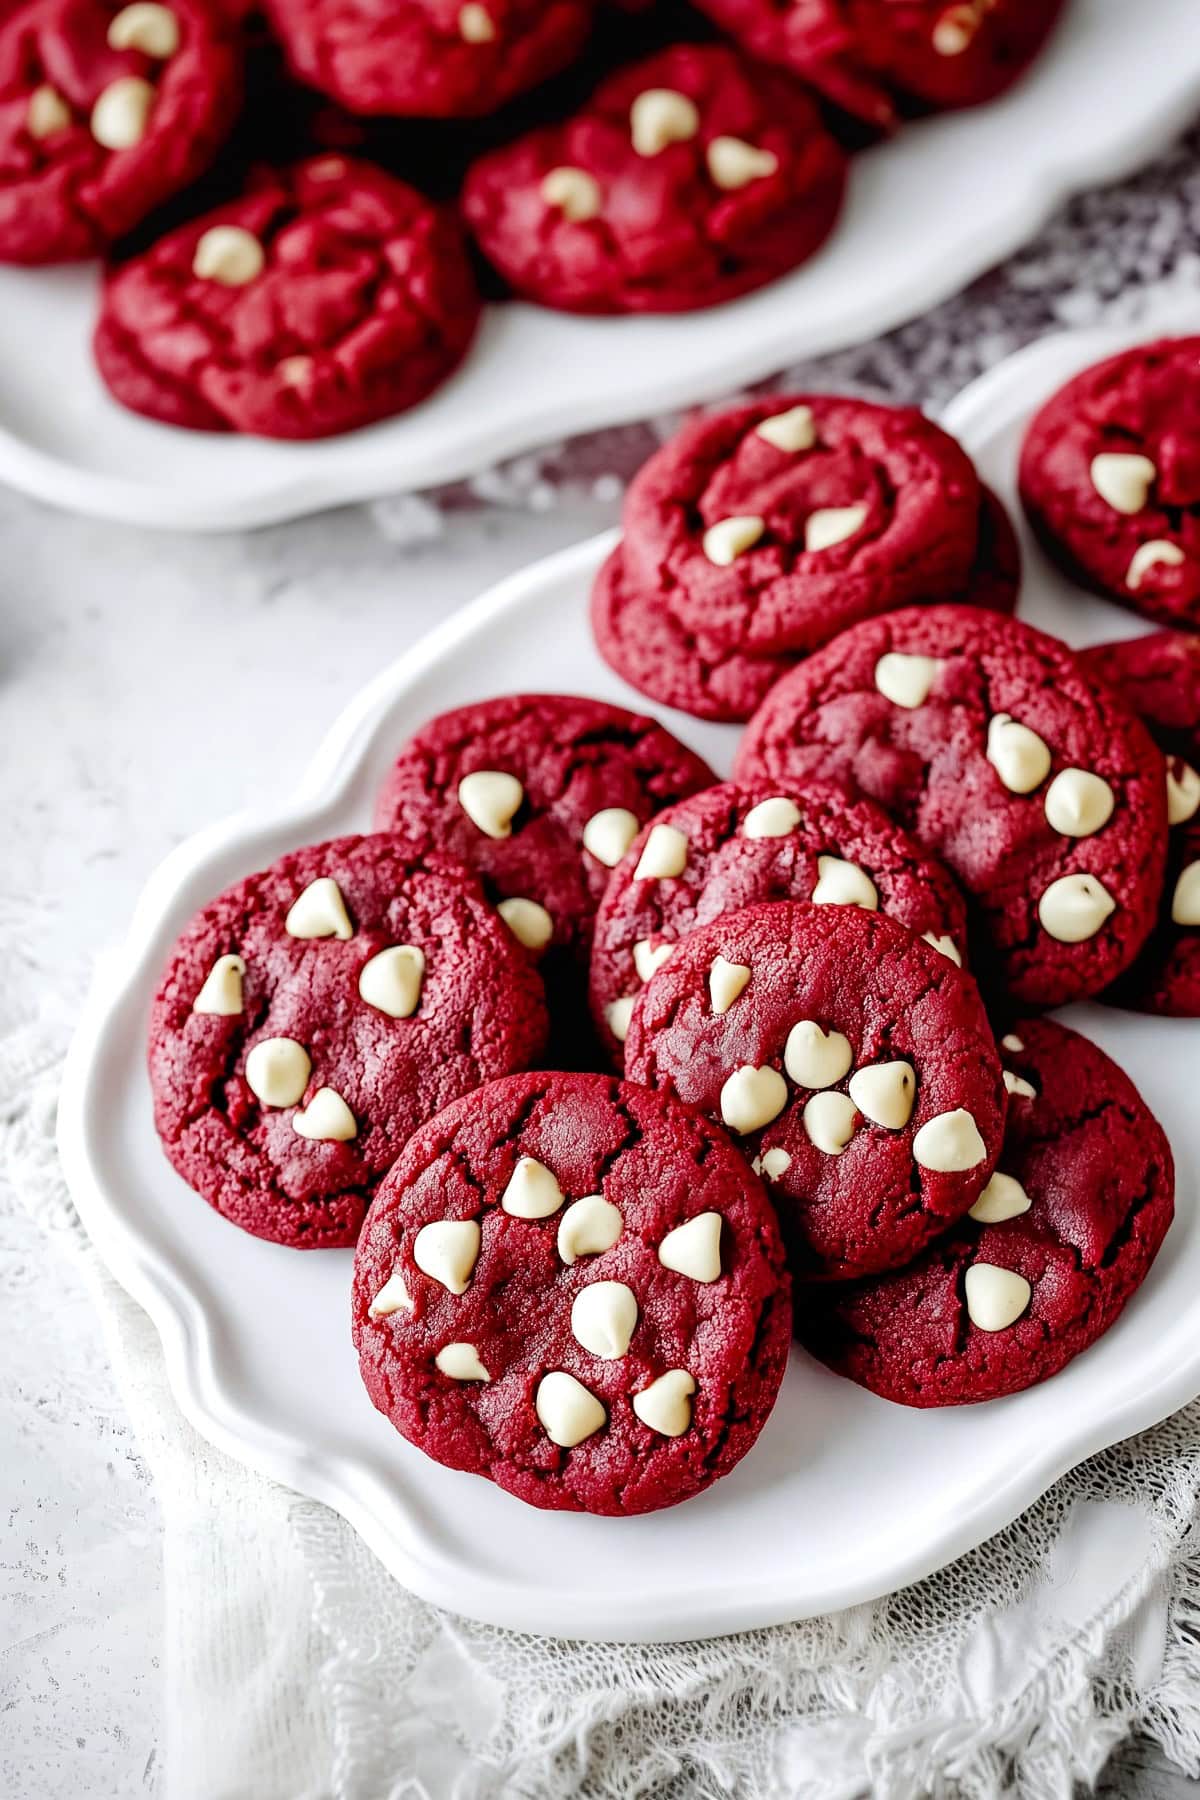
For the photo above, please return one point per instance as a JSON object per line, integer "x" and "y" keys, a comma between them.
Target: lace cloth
{"x": 297, "y": 1668}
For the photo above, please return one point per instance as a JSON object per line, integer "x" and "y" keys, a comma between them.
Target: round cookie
{"x": 328, "y": 296}
{"x": 747, "y": 845}
{"x": 105, "y": 112}
{"x": 314, "y": 1015}
{"x": 685, "y": 180}
{"x": 1059, "y": 1241}
{"x": 1110, "y": 479}
{"x": 639, "y": 635}
{"x": 576, "y": 1288}
{"x": 874, "y": 57}
{"x": 987, "y": 740}
{"x": 428, "y": 58}
{"x": 1159, "y": 677}
{"x": 852, "y": 1060}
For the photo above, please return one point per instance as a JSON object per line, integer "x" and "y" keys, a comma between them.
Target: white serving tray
{"x": 925, "y": 215}
{"x": 845, "y": 1496}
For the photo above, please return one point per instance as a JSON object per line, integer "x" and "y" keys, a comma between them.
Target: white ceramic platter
{"x": 845, "y": 1496}
{"x": 925, "y": 214}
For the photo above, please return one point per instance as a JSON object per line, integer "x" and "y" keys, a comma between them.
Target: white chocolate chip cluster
{"x": 792, "y": 432}
{"x": 1123, "y": 479}
{"x": 121, "y": 112}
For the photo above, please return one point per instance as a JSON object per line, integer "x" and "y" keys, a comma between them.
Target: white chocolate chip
{"x": 588, "y": 1227}
{"x": 726, "y": 980}
{"x": 1017, "y": 1084}
{"x": 461, "y": 1363}
{"x": 603, "y": 1318}
{"x": 771, "y": 818}
{"x": 664, "y": 854}
{"x": 609, "y": 833}
{"x": 1147, "y": 557}
{"x": 949, "y": 1143}
{"x": 666, "y": 1405}
{"x": 295, "y": 371}
{"x": 326, "y": 168}
{"x": 996, "y": 1298}
{"x": 577, "y": 195}
{"x": 568, "y": 1412}
{"x": 944, "y": 945}
{"x": 532, "y": 1191}
{"x": 491, "y": 799}
{"x": 391, "y": 982}
{"x": 319, "y": 912}
{"x": 447, "y": 1252}
{"x": 694, "y": 1248}
{"x": 729, "y": 538}
{"x": 48, "y": 112}
{"x": 752, "y": 1097}
{"x": 392, "y": 1297}
{"x": 906, "y": 680}
{"x": 1010, "y": 1041}
{"x": 955, "y": 30}
{"x": 618, "y": 1014}
{"x": 122, "y": 112}
{"x": 475, "y": 24}
{"x": 1002, "y": 1198}
{"x": 528, "y": 921}
{"x": 277, "y": 1071}
{"x": 774, "y": 1163}
{"x": 1074, "y": 908}
{"x": 815, "y": 1058}
{"x": 145, "y": 26}
{"x": 222, "y": 990}
{"x": 1123, "y": 480}
{"x": 733, "y": 163}
{"x": 793, "y": 430}
{"x": 1078, "y": 803}
{"x": 1019, "y": 756}
{"x": 843, "y": 884}
{"x": 885, "y": 1092}
{"x": 326, "y": 1119}
{"x": 1185, "y": 902}
{"x": 660, "y": 116}
{"x": 647, "y": 957}
{"x": 228, "y": 254}
{"x": 831, "y": 525}
{"x": 1183, "y": 791}
{"x": 829, "y": 1121}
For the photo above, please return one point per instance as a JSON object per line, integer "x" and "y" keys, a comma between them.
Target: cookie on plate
{"x": 328, "y": 296}
{"x": 1110, "y": 479}
{"x": 105, "y": 112}
{"x": 685, "y": 180}
{"x": 989, "y": 742}
{"x": 314, "y": 1015}
{"x": 1056, "y": 1245}
{"x": 1159, "y": 676}
{"x": 739, "y": 846}
{"x": 576, "y": 1288}
{"x": 874, "y": 58}
{"x": 445, "y": 59}
{"x": 853, "y": 1061}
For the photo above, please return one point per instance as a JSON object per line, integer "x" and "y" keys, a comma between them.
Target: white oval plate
{"x": 925, "y": 215}
{"x": 844, "y": 1497}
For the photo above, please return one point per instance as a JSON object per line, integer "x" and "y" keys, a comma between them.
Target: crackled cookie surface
{"x": 1110, "y": 478}
{"x": 851, "y": 1059}
{"x": 686, "y": 179}
{"x": 1058, "y": 1242}
{"x": 313, "y": 1016}
{"x": 327, "y": 297}
{"x": 747, "y": 845}
{"x": 577, "y": 1288}
{"x": 988, "y": 741}
{"x": 106, "y": 111}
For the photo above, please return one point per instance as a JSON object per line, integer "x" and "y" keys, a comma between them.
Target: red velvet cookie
{"x": 987, "y": 740}
{"x": 1059, "y": 1241}
{"x": 327, "y": 297}
{"x": 874, "y": 57}
{"x": 431, "y": 58}
{"x": 686, "y": 179}
{"x": 105, "y": 112}
{"x": 314, "y": 1015}
{"x": 576, "y": 1288}
{"x": 1159, "y": 677}
{"x": 1110, "y": 478}
{"x": 851, "y": 1058}
{"x": 745, "y": 845}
